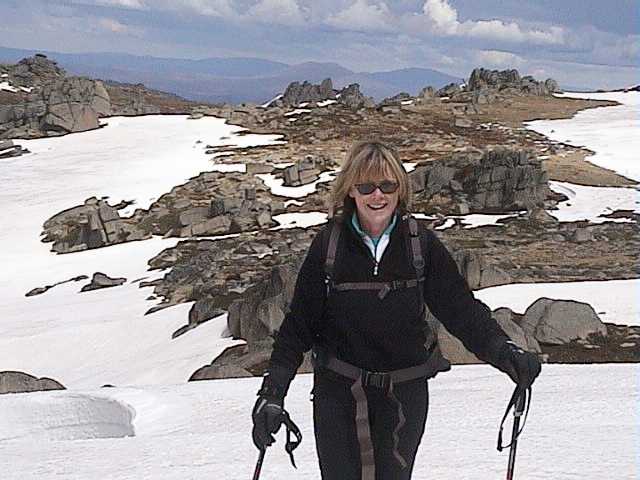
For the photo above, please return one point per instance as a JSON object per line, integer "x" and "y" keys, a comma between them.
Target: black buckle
{"x": 376, "y": 379}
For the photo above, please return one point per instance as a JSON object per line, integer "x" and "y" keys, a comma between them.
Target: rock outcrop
{"x": 92, "y": 225}
{"x": 306, "y": 170}
{"x": 487, "y": 86}
{"x": 214, "y": 273}
{"x": 47, "y": 102}
{"x": 478, "y": 272}
{"x": 351, "y": 97}
{"x": 298, "y": 93}
{"x": 55, "y": 104}
{"x": 40, "y": 290}
{"x": 20, "y": 382}
{"x": 260, "y": 311}
{"x": 35, "y": 71}
{"x": 212, "y": 203}
{"x": 508, "y": 82}
{"x": 558, "y": 322}
{"x": 500, "y": 180}
{"x": 10, "y": 149}
{"x": 100, "y": 280}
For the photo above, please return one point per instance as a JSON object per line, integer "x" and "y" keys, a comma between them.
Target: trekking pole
{"x": 517, "y": 414}
{"x": 520, "y": 402}
{"x": 256, "y": 473}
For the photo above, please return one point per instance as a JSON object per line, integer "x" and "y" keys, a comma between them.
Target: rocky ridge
{"x": 43, "y": 101}
{"x": 306, "y": 93}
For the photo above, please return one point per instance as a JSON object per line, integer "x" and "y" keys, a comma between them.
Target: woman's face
{"x": 375, "y": 208}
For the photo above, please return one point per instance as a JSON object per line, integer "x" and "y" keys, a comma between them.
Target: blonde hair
{"x": 364, "y": 161}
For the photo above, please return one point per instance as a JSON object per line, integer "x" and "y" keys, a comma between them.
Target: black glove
{"x": 523, "y": 367}
{"x": 267, "y": 417}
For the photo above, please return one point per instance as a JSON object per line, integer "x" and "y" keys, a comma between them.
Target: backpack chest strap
{"x": 383, "y": 288}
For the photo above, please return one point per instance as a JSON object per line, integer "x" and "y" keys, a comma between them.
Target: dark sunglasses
{"x": 385, "y": 186}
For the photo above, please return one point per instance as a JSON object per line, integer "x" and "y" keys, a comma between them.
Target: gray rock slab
{"x": 20, "y": 382}
{"x": 558, "y": 322}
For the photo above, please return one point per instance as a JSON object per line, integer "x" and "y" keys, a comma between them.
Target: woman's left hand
{"x": 523, "y": 367}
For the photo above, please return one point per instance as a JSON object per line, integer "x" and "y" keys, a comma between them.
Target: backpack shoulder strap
{"x": 330, "y": 260}
{"x": 416, "y": 248}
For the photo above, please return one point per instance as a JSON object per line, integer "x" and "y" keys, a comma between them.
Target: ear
{"x": 352, "y": 193}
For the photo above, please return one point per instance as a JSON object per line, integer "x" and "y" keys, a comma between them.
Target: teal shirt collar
{"x": 387, "y": 231}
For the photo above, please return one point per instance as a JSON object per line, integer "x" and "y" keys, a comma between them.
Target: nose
{"x": 377, "y": 193}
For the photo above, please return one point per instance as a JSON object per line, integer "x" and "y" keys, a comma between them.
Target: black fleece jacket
{"x": 369, "y": 332}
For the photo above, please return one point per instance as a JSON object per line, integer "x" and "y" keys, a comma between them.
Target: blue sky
{"x": 593, "y": 43}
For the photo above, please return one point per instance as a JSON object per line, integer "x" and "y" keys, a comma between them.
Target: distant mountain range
{"x": 233, "y": 80}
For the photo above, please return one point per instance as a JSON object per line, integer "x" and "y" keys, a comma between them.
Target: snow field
{"x": 89, "y": 339}
{"x": 610, "y": 132}
{"x": 583, "y": 423}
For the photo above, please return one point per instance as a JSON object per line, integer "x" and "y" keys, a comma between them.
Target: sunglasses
{"x": 385, "y": 186}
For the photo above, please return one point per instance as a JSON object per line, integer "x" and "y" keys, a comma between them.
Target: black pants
{"x": 334, "y": 413}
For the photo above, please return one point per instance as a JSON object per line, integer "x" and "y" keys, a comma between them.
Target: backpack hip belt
{"x": 384, "y": 380}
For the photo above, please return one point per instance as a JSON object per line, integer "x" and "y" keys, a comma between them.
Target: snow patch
{"x": 56, "y": 416}
{"x": 297, "y": 111}
{"x": 276, "y": 185}
{"x": 266, "y": 105}
{"x": 229, "y": 167}
{"x": 299, "y": 220}
{"x": 6, "y": 86}
{"x": 449, "y": 222}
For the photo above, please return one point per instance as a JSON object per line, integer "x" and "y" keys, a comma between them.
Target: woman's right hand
{"x": 267, "y": 415}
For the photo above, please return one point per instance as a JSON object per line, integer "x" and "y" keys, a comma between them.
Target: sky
{"x": 577, "y": 42}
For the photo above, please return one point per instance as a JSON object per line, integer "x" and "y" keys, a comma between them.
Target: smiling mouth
{"x": 377, "y": 207}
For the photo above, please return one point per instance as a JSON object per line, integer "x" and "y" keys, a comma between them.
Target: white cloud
{"x": 210, "y": 8}
{"x": 281, "y": 12}
{"x": 442, "y": 19}
{"x": 442, "y": 15}
{"x": 133, "y": 4}
{"x": 362, "y": 16}
{"x": 497, "y": 58}
{"x": 509, "y": 32}
{"x": 114, "y": 26}
{"x": 624, "y": 50}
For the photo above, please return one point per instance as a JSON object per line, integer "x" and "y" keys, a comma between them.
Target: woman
{"x": 359, "y": 303}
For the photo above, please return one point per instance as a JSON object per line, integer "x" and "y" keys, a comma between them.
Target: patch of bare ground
{"x": 621, "y": 344}
{"x": 121, "y": 95}
{"x": 551, "y": 254}
{"x": 574, "y": 166}
{"x": 519, "y": 109}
